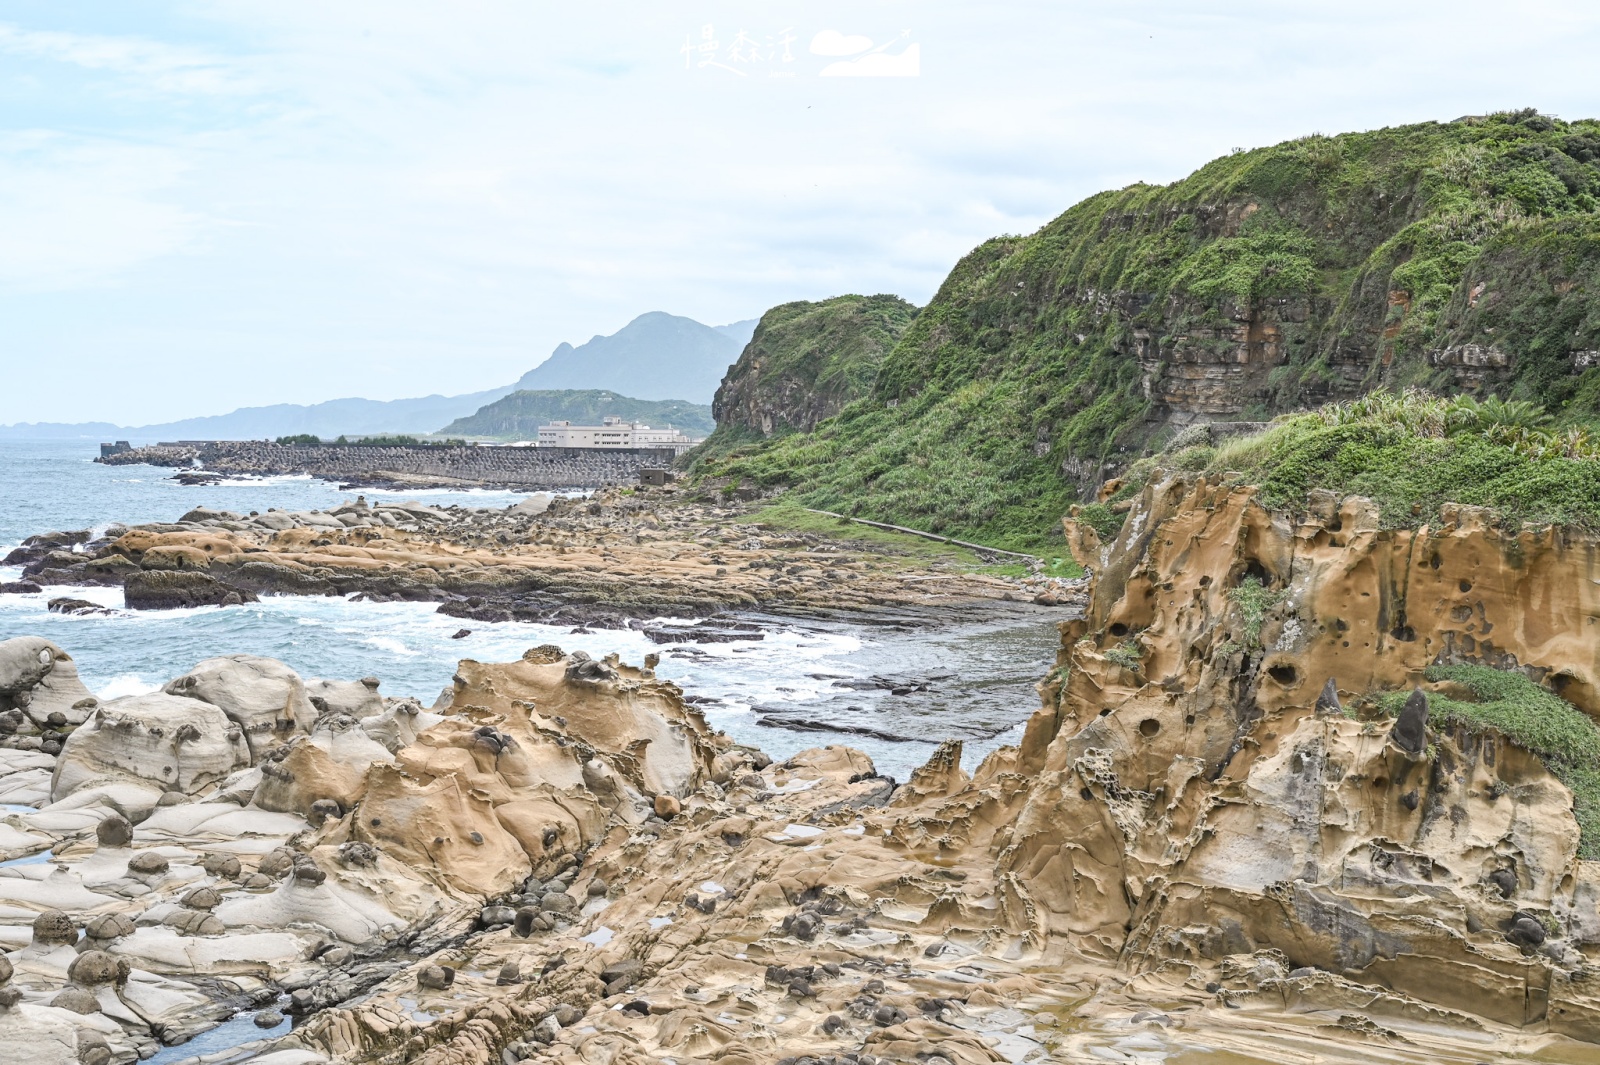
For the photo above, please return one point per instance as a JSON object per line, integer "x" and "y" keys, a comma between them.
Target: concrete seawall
{"x": 415, "y": 466}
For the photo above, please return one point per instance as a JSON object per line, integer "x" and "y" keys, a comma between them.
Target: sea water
{"x": 801, "y": 684}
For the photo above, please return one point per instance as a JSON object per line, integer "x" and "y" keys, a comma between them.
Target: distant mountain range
{"x": 657, "y": 356}
{"x": 519, "y": 415}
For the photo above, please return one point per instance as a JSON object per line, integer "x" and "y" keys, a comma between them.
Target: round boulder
{"x": 114, "y": 831}
{"x": 276, "y": 863}
{"x": 308, "y": 873}
{"x": 92, "y": 1050}
{"x": 202, "y": 898}
{"x": 225, "y": 866}
{"x": 54, "y": 929}
{"x": 94, "y": 967}
{"x": 76, "y": 999}
{"x": 148, "y": 863}
{"x": 436, "y": 977}
{"x": 109, "y": 926}
{"x": 195, "y": 923}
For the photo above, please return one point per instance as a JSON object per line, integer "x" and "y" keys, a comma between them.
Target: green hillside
{"x": 1463, "y": 257}
{"x": 804, "y": 364}
{"x": 519, "y": 415}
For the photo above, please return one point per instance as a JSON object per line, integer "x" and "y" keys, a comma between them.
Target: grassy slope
{"x": 1533, "y": 718}
{"x": 1019, "y": 384}
{"x": 519, "y": 415}
{"x": 1403, "y": 453}
{"x": 806, "y": 359}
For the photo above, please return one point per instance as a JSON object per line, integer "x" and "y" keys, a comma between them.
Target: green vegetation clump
{"x": 1127, "y": 655}
{"x": 1102, "y": 519}
{"x": 1412, "y": 452}
{"x": 397, "y": 441}
{"x": 300, "y": 439}
{"x": 805, "y": 362}
{"x": 1535, "y": 719}
{"x": 1392, "y": 258}
{"x": 377, "y": 441}
{"x": 1253, "y": 599}
{"x": 519, "y": 415}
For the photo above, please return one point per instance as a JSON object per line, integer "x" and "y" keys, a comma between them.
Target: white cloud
{"x": 79, "y": 211}
{"x": 832, "y": 42}
{"x": 161, "y": 66}
{"x": 397, "y": 197}
{"x": 908, "y": 64}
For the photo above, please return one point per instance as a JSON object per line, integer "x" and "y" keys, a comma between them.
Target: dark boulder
{"x": 172, "y": 589}
{"x": 1410, "y": 732}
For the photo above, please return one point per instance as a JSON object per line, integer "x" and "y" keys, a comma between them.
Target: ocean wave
{"x": 127, "y": 684}
{"x": 390, "y": 644}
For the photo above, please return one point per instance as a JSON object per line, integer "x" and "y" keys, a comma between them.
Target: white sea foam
{"x": 127, "y": 684}
{"x": 393, "y": 646}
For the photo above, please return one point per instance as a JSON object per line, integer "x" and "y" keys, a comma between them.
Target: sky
{"x": 220, "y": 203}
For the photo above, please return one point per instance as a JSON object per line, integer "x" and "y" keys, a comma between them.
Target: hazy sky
{"x": 218, "y": 203}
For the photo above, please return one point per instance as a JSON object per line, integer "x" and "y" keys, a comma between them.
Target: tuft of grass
{"x": 1413, "y": 452}
{"x": 1126, "y": 654}
{"x": 1563, "y": 737}
{"x": 1253, "y": 599}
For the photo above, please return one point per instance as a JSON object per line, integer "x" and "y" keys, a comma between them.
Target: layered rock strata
{"x": 597, "y": 561}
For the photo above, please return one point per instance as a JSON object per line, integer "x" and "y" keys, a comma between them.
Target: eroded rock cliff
{"x": 1215, "y": 773}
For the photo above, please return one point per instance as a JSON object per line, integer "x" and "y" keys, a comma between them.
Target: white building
{"x": 613, "y": 432}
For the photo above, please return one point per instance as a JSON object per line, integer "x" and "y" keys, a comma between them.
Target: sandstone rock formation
{"x": 1201, "y": 845}
{"x": 1181, "y": 799}
{"x": 234, "y": 832}
{"x": 39, "y": 679}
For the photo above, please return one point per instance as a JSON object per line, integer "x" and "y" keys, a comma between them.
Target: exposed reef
{"x": 617, "y": 557}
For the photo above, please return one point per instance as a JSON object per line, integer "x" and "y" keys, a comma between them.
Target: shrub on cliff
{"x": 1411, "y": 453}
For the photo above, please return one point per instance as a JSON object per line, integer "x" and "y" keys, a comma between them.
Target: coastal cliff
{"x": 1459, "y": 256}
{"x": 1217, "y": 778}
{"x": 804, "y": 364}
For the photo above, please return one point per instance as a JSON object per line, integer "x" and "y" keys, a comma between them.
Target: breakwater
{"x": 408, "y": 466}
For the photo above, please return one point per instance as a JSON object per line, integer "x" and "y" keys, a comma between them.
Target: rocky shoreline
{"x": 1220, "y": 835}
{"x": 613, "y": 560}
{"x": 400, "y": 467}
